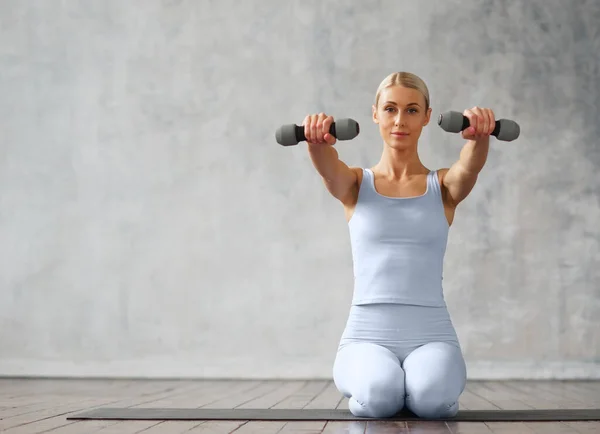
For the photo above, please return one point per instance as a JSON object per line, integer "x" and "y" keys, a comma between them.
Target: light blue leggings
{"x": 393, "y": 356}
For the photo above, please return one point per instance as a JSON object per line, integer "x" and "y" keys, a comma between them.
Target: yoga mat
{"x": 323, "y": 414}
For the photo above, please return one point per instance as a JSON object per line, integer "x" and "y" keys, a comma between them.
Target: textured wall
{"x": 150, "y": 225}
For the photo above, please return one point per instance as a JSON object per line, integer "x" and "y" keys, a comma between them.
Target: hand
{"x": 482, "y": 123}
{"x": 316, "y": 129}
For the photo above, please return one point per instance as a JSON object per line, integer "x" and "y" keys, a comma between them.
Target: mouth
{"x": 399, "y": 134}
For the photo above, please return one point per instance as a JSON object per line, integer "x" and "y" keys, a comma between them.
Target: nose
{"x": 399, "y": 119}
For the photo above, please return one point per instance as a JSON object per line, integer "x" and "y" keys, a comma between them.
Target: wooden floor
{"x": 35, "y": 406}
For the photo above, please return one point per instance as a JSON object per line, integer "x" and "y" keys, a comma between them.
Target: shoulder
{"x": 351, "y": 199}
{"x": 358, "y": 172}
{"x": 441, "y": 174}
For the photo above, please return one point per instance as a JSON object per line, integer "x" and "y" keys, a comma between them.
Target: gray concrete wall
{"x": 150, "y": 225}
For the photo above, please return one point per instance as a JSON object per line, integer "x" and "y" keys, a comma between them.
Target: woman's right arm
{"x": 339, "y": 179}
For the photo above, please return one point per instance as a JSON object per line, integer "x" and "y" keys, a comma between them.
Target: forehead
{"x": 401, "y": 95}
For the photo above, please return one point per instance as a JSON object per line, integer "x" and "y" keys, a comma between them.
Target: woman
{"x": 399, "y": 348}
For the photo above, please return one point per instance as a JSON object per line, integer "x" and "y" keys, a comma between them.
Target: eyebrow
{"x": 410, "y": 103}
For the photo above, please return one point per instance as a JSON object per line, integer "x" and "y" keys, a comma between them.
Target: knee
{"x": 378, "y": 399}
{"x": 431, "y": 401}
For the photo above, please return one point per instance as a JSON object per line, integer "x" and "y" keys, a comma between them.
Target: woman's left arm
{"x": 460, "y": 179}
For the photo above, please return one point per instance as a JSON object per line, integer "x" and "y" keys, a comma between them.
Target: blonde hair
{"x": 404, "y": 79}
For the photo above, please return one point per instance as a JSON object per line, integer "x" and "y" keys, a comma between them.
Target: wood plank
{"x": 259, "y": 390}
{"x": 329, "y": 398}
{"x": 69, "y": 427}
{"x": 296, "y": 397}
{"x": 204, "y": 395}
{"x": 303, "y": 396}
{"x": 504, "y": 399}
{"x": 468, "y": 428}
{"x": 260, "y": 427}
{"x": 498, "y": 396}
{"x": 475, "y": 402}
{"x": 268, "y": 400}
{"x": 308, "y": 427}
{"x": 571, "y": 394}
{"x": 43, "y": 415}
{"x": 30, "y": 389}
{"x": 525, "y": 392}
{"x": 584, "y": 427}
{"x": 38, "y": 425}
{"x": 51, "y": 419}
{"x": 563, "y": 395}
{"x": 538, "y": 395}
{"x": 274, "y": 397}
{"x": 217, "y": 427}
{"x": 168, "y": 395}
{"x": 550, "y": 428}
{"x": 509, "y": 428}
{"x": 173, "y": 427}
{"x": 29, "y": 406}
{"x": 343, "y": 403}
{"x": 346, "y": 427}
{"x": 179, "y": 396}
{"x": 227, "y": 394}
{"x": 126, "y": 427}
{"x": 47, "y": 397}
{"x": 384, "y": 427}
{"x": 300, "y": 399}
{"x": 428, "y": 427}
{"x": 55, "y": 417}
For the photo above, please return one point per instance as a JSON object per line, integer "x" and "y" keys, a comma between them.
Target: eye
{"x": 413, "y": 110}
{"x": 387, "y": 109}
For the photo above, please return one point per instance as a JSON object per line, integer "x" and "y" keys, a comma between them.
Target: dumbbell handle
{"x": 299, "y": 129}
{"x": 454, "y": 122}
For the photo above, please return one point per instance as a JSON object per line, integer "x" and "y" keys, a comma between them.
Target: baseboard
{"x": 240, "y": 369}
{"x": 492, "y": 370}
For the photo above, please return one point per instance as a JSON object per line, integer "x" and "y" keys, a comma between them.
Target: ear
{"x": 427, "y": 116}
{"x": 374, "y": 114}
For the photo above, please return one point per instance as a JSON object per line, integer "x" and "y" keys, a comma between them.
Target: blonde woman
{"x": 399, "y": 348}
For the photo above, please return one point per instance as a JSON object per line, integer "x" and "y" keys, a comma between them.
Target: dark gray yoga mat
{"x": 295, "y": 415}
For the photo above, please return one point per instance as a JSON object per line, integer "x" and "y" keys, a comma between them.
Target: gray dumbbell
{"x": 454, "y": 122}
{"x": 342, "y": 129}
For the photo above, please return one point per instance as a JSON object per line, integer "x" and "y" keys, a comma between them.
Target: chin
{"x": 400, "y": 145}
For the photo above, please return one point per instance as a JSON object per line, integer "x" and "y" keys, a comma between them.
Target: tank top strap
{"x": 433, "y": 183}
{"x": 367, "y": 185}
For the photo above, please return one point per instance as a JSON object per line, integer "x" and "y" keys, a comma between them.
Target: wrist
{"x": 482, "y": 141}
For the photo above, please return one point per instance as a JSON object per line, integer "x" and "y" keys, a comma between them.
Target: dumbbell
{"x": 454, "y": 122}
{"x": 292, "y": 134}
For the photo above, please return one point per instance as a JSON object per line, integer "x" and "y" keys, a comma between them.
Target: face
{"x": 401, "y": 115}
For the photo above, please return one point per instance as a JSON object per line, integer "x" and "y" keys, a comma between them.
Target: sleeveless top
{"x": 398, "y": 245}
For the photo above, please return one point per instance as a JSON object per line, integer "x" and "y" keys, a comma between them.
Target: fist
{"x": 482, "y": 123}
{"x": 316, "y": 129}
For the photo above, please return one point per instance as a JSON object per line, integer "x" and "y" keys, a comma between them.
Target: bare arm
{"x": 339, "y": 179}
{"x": 462, "y": 175}
{"x": 337, "y": 176}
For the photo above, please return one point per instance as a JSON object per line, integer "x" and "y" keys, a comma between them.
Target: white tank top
{"x": 398, "y": 245}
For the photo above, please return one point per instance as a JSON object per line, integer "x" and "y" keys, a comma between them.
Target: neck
{"x": 400, "y": 163}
